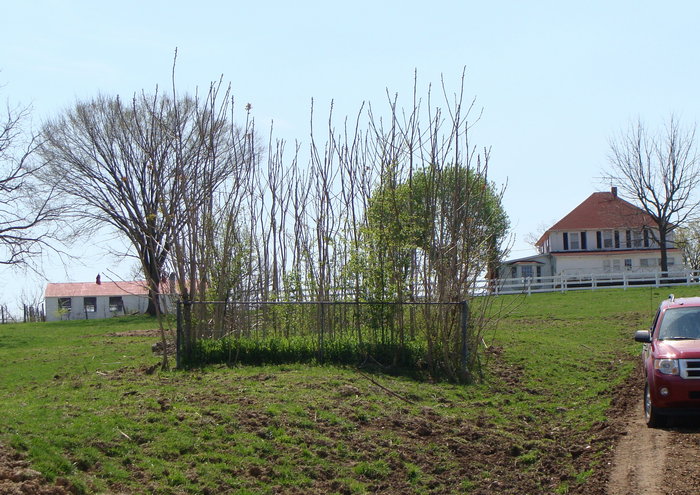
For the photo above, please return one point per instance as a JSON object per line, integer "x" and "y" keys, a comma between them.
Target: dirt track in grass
{"x": 653, "y": 461}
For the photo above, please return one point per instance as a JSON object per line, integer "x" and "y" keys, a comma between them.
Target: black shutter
{"x": 566, "y": 241}
{"x": 584, "y": 243}
{"x": 646, "y": 238}
{"x": 599, "y": 239}
{"x": 617, "y": 239}
{"x": 628, "y": 238}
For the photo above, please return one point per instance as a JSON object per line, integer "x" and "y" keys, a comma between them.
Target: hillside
{"x": 85, "y": 405}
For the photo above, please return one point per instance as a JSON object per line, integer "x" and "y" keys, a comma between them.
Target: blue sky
{"x": 555, "y": 80}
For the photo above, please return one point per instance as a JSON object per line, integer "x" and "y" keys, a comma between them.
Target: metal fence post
{"x": 465, "y": 335}
{"x": 178, "y": 337}
{"x": 322, "y": 323}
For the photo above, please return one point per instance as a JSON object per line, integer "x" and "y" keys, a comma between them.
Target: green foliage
{"x": 427, "y": 221}
{"x": 394, "y": 336}
{"x": 307, "y": 349}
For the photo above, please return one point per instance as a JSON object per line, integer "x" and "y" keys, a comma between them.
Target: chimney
{"x": 613, "y": 190}
{"x": 97, "y": 280}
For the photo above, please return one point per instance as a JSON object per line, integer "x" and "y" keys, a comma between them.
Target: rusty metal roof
{"x": 92, "y": 289}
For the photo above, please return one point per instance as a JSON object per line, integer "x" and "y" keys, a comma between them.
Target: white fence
{"x": 563, "y": 283}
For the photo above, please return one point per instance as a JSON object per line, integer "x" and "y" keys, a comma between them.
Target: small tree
{"x": 658, "y": 172}
{"x": 450, "y": 215}
{"x": 688, "y": 241}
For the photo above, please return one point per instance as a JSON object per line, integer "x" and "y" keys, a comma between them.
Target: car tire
{"x": 653, "y": 418}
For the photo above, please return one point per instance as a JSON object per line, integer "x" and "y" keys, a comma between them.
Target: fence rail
{"x": 592, "y": 281}
{"x": 389, "y": 334}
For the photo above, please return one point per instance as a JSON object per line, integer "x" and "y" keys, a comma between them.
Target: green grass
{"x": 85, "y": 404}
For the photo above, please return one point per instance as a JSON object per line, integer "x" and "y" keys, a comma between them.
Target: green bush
{"x": 306, "y": 349}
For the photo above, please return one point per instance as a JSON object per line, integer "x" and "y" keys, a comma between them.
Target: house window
{"x": 574, "y": 241}
{"x": 606, "y": 266}
{"x": 90, "y": 304}
{"x": 616, "y": 265}
{"x": 607, "y": 239}
{"x": 64, "y": 303}
{"x": 649, "y": 262}
{"x": 116, "y": 305}
{"x": 526, "y": 270}
{"x": 628, "y": 264}
{"x": 636, "y": 239}
{"x": 513, "y": 271}
{"x": 670, "y": 261}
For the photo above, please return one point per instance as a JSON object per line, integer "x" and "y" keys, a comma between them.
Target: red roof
{"x": 92, "y": 289}
{"x": 602, "y": 210}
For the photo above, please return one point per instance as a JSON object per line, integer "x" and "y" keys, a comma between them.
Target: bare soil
{"x": 17, "y": 477}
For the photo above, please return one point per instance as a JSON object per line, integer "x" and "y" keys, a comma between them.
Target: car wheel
{"x": 651, "y": 414}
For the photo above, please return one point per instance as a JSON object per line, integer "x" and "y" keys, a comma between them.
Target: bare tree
{"x": 688, "y": 241}
{"x": 137, "y": 166}
{"x": 28, "y": 213}
{"x": 532, "y": 238}
{"x": 659, "y": 173}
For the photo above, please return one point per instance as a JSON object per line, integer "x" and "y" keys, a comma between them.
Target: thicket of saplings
{"x": 396, "y": 207}
{"x": 402, "y": 339}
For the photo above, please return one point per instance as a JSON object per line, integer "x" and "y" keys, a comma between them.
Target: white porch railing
{"x": 563, "y": 283}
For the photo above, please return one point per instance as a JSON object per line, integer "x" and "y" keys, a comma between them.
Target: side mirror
{"x": 643, "y": 336}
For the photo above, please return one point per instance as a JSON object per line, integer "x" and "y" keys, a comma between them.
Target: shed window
{"x": 64, "y": 303}
{"x": 90, "y": 304}
{"x": 116, "y": 305}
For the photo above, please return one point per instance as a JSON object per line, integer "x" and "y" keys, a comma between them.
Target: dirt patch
{"x": 153, "y": 332}
{"x": 651, "y": 461}
{"x": 17, "y": 478}
{"x": 156, "y": 347}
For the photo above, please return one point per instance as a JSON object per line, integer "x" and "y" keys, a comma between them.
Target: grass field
{"x": 87, "y": 405}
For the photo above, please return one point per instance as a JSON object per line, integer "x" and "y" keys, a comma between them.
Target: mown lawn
{"x": 86, "y": 402}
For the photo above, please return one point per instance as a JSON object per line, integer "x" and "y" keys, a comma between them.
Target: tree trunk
{"x": 663, "y": 233}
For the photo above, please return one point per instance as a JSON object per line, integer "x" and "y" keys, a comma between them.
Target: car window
{"x": 680, "y": 323}
{"x": 656, "y": 320}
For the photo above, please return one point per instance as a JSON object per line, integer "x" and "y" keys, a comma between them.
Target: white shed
{"x": 93, "y": 300}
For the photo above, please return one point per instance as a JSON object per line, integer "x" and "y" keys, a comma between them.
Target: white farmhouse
{"x": 604, "y": 234}
{"x": 92, "y": 300}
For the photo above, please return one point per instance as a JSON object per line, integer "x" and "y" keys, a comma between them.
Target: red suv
{"x": 671, "y": 358}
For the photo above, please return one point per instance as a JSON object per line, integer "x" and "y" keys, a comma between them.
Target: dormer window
{"x": 574, "y": 241}
{"x": 607, "y": 239}
{"x": 636, "y": 239}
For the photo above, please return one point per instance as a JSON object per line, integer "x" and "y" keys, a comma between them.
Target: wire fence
{"x": 425, "y": 335}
